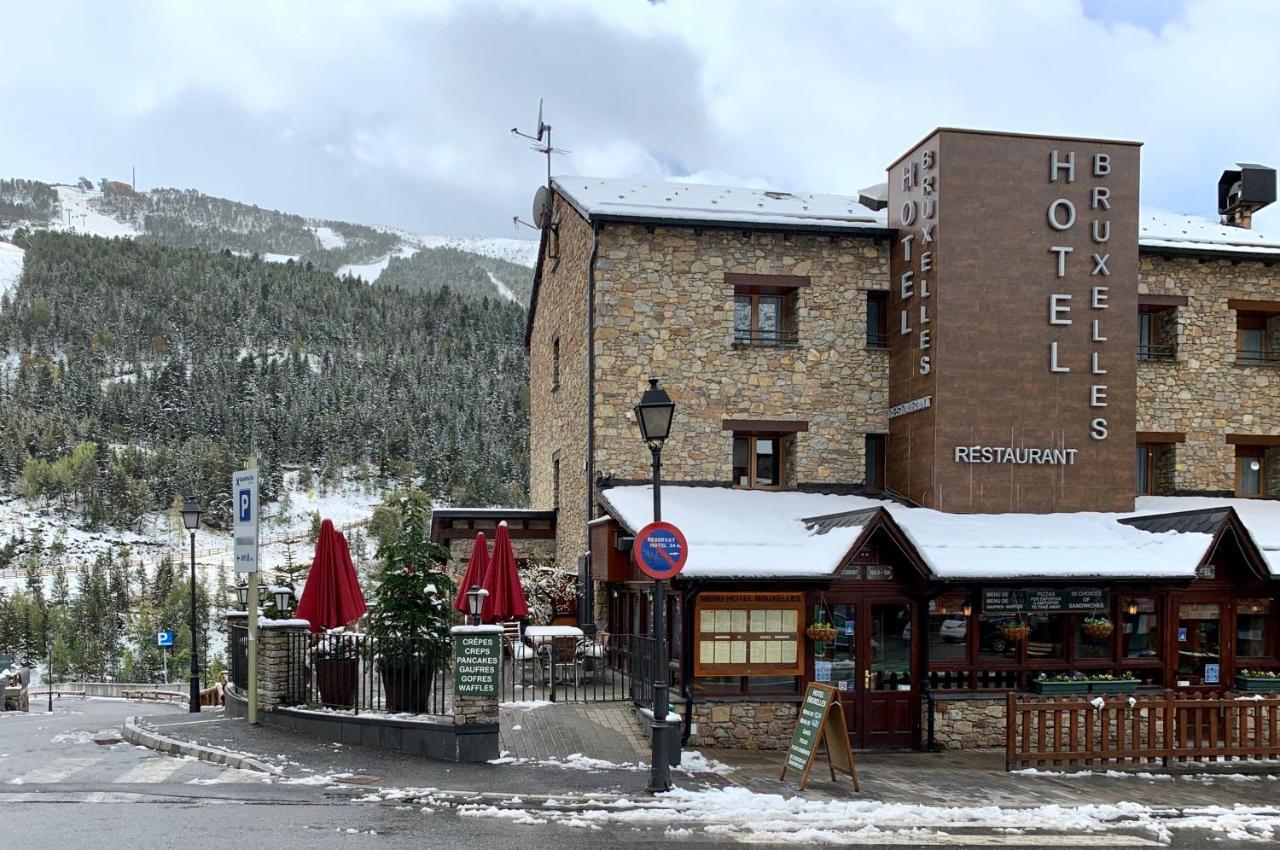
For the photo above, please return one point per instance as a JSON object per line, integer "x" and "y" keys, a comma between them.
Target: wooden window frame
{"x": 878, "y": 338}
{"x": 881, "y": 444}
{"x": 1254, "y": 321}
{"x": 782, "y": 451}
{"x": 1258, "y": 453}
{"x": 1269, "y": 638}
{"x": 1150, "y": 483}
{"x": 785, "y": 335}
{"x": 555, "y": 363}
{"x": 1157, "y": 348}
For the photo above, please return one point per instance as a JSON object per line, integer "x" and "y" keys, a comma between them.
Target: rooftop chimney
{"x": 1243, "y": 192}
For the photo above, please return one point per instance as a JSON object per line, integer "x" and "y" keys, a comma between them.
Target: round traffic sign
{"x": 660, "y": 550}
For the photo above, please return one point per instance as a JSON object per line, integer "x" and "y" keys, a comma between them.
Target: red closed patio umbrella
{"x": 477, "y": 566}
{"x": 332, "y": 596}
{"x": 506, "y": 598}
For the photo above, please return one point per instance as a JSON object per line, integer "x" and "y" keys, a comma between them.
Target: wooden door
{"x": 888, "y": 696}
{"x": 1201, "y": 642}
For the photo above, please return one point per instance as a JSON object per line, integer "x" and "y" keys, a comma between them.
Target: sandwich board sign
{"x": 244, "y": 500}
{"x": 821, "y": 721}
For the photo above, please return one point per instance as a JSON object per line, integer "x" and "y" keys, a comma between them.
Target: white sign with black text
{"x": 244, "y": 497}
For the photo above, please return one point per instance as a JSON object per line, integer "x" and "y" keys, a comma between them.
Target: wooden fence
{"x": 1164, "y": 729}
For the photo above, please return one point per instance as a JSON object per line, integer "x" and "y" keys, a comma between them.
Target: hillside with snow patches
{"x": 186, "y": 218}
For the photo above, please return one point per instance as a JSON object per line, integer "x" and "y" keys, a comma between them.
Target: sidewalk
{"x": 567, "y": 750}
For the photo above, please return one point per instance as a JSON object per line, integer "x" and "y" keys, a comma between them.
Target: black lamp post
{"x": 191, "y": 519}
{"x": 653, "y": 415}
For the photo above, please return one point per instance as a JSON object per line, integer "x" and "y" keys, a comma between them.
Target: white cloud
{"x": 397, "y": 112}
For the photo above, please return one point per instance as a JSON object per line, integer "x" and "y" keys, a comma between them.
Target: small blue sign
{"x": 1212, "y": 672}
{"x": 660, "y": 550}
{"x": 1182, "y": 635}
{"x": 246, "y": 506}
{"x": 164, "y": 638}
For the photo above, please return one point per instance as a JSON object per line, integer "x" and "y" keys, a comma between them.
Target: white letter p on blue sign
{"x": 246, "y": 509}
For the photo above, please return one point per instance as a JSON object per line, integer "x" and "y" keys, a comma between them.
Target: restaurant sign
{"x": 477, "y": 662}
{"x": 1041, "y": 600}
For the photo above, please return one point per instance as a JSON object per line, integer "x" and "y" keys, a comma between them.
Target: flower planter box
{"x": 1261, "y": 683}
{"x": 1113, "y": 686}
{"x": 1080, "y": 686}
{"x": 338, "y": 680}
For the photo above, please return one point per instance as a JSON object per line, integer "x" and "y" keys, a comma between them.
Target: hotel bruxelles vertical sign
{"x": 1012, "y": 342}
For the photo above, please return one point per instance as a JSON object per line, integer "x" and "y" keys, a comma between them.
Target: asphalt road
{"x": 67, "y": 782}
{"x": 51, "y": 767}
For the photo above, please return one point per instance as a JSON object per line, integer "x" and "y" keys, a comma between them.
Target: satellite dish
{"x": 542, "y": 207}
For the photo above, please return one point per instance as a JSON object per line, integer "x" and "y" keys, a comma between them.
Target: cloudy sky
{"x": 398, "y": 111}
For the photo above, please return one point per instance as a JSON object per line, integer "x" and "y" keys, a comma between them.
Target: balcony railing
{"x": 1162, "y": 353}
{"x": 1258, "y": 358}
{"x": 765, "y": 338}
{"x": 877, "y": 340}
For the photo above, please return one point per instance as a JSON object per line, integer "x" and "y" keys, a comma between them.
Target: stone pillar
{"x": 274, "y": 647}
{"x": 477, "y": 682}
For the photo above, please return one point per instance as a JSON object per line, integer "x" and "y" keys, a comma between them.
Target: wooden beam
{"x": 766, "y": 281}
{"x": 765, "y": 426}
{"x": 1159, "y": 438}
{"x": 1254, "y": 439}
{"x": 1242, "y": 305}
{"x": 1161, "y": 301}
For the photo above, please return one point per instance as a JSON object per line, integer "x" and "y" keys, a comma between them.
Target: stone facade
{"x": 471, "y": 710}
{"x": 274, "y": 646}
{"x": 967, "y": 723}
{"x": 744, "y": 725}
{"x": 1205, "y": 393}
{"x": 558, "y": 408}
{"x": 664, "y": 309}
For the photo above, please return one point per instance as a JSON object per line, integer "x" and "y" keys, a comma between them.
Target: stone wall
{"x": 1205, "y": 393}
{"x": 274, "y": 646}
{"x": 558, "y": 412}
{"x": 744, "y": 725}
{"x": 470, "y": 710}
{"x": 663, "y": 309}
{"x": 967, "y": 723}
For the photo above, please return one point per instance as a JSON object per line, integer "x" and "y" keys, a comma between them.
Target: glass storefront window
{"x": 1252, "y": 619}
{"x": 1000, "y": 636}
{"x": 1045, "y": 640}
{"x": 1140, "y": 632}
{"x": 949, "y": 617}
{"x": 1199, "y": 642}
{"x": 839, "y": 653}
{"x": 1093, "y": 636}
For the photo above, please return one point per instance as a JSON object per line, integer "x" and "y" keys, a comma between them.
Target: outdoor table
{"x": 551, "y": 637}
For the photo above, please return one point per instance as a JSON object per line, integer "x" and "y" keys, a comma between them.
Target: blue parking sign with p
{"x": 246, "y": 506}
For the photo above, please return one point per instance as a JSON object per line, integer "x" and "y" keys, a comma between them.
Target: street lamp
{"x": 284, "y": 596}
{"x": 475, "y": 601}
{"x": 242, "y": 595}
{"x": 191, "y": 519}
{"x": 653, "y": 415}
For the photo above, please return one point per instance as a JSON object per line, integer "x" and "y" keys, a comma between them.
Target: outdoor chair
{"x": 590, "y": 654}
{"x": 560, "y": 654}
{"x": 520, "y": 654}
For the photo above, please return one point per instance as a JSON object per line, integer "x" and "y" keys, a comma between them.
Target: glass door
{"x": 889, "y": 704}
{"x": 1199, "y": 644}
{"x": 835, "y": 661}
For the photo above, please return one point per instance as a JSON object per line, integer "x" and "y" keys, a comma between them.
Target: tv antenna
{"x": 541, "y": 139}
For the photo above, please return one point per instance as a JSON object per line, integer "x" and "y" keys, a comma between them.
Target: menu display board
{"x": 749, "y": 634}
{"x": 821, "y": 721}
{"x": 477, "y": 664}
{"x": 1044, "y": 600}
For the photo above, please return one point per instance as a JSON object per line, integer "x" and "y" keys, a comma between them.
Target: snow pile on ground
{"x": 737, "y": 814}
{"x": 692, "y": 761}
{"x": 11, "y": 257}
{"x": 527, "y": 704}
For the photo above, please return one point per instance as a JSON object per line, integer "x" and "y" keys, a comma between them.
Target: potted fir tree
{"x": 412, "y": 611}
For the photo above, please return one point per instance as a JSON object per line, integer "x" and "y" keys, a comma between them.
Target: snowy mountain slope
{"x": 190, "y": 219}
{"x": 11, "y": 257}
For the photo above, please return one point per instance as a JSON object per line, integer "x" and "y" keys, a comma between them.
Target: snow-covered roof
{"x": 1261, "y": 517}
{"x": 607, "y": 198}
{"x": 758, "y": 534}
{"x": 1193, "y": 233}
{"x": 745, "y": 533}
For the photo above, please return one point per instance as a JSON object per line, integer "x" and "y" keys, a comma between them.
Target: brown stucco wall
{"x": 558, "y": 417}
{"x": 665, "y": 310}
{"x": 1204, "y": 393}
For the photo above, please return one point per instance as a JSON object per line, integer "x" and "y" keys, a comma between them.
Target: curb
{"x": 135, "y": 734}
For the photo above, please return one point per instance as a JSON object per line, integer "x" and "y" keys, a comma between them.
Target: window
{"x": 1145, "y": 473}
{"x": 764, "y": 308}
{"x": 1157, "y": 332}
{"x": 1045, "y": 640}
{"x": 758, "y": 461}
{"x": 949, "y": 627}
{"x": 555, "y": 481}
{"x": 762, "y": 320}
{"x": 874, "y": 449}
{"x": 555, "y": 364}
{"x": 1140, "y": 632}
{"x": 1252, "y": 619}
{"x": 1252, "y": 344}
{"x": 1250, "y": 470}
{"x": 877, "y": 320}
{"x": 1198, "y": 641}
